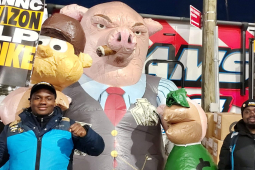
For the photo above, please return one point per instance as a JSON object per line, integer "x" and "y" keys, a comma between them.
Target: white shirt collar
{"x": 95, "y": 89}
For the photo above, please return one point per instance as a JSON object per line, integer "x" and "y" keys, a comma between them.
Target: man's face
{"x": 249, "y": 117}
{"x": 42, "y": 102}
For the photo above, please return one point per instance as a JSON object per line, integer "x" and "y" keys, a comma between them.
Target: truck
{"x": 180, "y": 41}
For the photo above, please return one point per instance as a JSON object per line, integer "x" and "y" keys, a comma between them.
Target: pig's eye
{"x": 101, "y": 26}
{"x": 44, "y": 40}
{"x": 58, "y": 45}
{"x": 138, "y": 32}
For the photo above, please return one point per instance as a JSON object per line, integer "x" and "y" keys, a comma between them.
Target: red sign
{"x": 195, "y": 17}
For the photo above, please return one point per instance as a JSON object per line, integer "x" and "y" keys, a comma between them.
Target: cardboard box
{"x": 217, "y": 144}
{"x": 210, "y": 151}
{"x": 225, "y": 124}
{"x": 210, "y": 124}
{"x": 209, "y": 144}
{"x": 204, "y": 141}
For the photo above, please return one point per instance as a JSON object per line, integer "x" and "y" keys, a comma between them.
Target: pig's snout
{"x": 130, "y": 38}
{"x": 123, "y": 39}
{"x": 120, "y": 41}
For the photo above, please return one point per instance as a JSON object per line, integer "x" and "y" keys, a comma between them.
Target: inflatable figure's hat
{"x": 65, "y": 28}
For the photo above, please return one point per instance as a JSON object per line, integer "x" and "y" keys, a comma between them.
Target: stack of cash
{"x": 144, "y": 113}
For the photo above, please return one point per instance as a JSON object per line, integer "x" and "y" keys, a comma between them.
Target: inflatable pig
{"x": 59, "y": 60}
{"x": 113, "y": 96}
{"x": 187, "y": 127}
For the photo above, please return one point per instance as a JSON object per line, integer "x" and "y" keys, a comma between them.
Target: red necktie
{"x": 115, "y": 107}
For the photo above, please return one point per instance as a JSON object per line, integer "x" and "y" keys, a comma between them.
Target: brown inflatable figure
{"x": 59, "y": 60}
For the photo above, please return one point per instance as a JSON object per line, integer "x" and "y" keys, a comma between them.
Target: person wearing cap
{"x": 239, "y": 154}
{"x": 42, "y": 139}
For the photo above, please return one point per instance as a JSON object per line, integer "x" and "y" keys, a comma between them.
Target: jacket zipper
{"x": 41, "y": 122}
{"x": 39, "y": 147}
{"x": 38, "y": 153}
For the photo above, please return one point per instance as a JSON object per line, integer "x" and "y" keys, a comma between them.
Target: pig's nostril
{"x": 129, "y": 39}
{"x": 119, "y": 37}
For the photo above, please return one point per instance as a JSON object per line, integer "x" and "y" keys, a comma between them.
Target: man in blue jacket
{"x": 42, "y": 139}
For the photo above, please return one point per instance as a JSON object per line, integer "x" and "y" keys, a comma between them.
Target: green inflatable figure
{"x": 187, "y": 125}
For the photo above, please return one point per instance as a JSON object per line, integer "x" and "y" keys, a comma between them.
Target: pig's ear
{"x": 75, "y": 11}
{"x": 153, "y": 26}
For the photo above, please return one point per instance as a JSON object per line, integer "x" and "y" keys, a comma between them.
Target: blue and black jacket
{"x": 243, "y": 157}
{"x": 28, "y": 146}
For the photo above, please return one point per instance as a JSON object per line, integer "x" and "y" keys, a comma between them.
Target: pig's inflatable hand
{"x": 9, "y": 105}
{"x": 75, "y": 11}
{"x": 186, "y": 125}
{"x": 63, "y": 101}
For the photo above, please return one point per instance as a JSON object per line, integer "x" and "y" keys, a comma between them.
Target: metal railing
{"x": 165, "y": 61}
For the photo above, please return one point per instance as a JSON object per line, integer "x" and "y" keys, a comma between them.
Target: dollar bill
{"x": 144, "y": 113}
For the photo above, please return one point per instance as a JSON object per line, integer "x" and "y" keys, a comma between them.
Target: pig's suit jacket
{"x": 135, "y": 146}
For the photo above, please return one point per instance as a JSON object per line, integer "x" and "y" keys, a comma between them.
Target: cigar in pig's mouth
{"x": 104, "y": 51}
